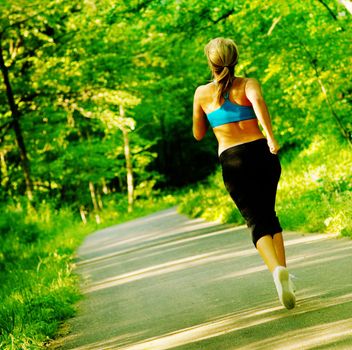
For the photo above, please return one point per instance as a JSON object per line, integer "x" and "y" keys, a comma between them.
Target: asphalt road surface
{"x": 165, "y": 281}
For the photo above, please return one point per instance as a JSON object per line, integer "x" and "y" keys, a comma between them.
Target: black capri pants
{"x": 251, "y": 174}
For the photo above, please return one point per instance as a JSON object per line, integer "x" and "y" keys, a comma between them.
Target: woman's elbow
{"x": 198, "y": 135}
{"x": 198, "y": 138}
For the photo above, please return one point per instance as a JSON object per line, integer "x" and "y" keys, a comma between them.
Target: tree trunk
{"x": 331, "y": 12}
{"x": 99, "y": 200}
{"x": 3, "y": 170}
{"x": 163, "y": 151}
{"x": 130, "y": 188}
{"x": 94, "y": 201}
{"x": 342, "y": 129}
{"x": 17, "y": 127}
{"x": 104, "y": 186}
{"x": 83, "y": 214}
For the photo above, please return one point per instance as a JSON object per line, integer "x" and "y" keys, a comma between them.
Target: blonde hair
{"x": 222, "y": 55}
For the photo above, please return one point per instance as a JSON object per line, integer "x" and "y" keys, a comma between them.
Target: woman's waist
{"x": 237, "y": 133}
{"x": 237, "y": 143}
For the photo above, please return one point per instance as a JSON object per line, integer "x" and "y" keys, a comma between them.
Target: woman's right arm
{"x": 254, "y": 94}
{"x": 200, "y": 125}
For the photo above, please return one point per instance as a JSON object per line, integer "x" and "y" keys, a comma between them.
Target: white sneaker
{"x": 284, "y": 287}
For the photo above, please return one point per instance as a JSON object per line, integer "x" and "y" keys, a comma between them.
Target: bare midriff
{"x": 233, "y": 134}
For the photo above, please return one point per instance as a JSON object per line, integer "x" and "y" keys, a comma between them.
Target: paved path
{"x": 168, "y": 282}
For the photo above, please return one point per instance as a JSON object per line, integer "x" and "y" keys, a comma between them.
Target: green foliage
{"x": 73, "y": 67}
{"x": 314, "y": 194}
{"x": 37, "y": 249}
{"x": 38, "y": 288}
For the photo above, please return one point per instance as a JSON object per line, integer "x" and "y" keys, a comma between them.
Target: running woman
{"x": 250, "y": 165}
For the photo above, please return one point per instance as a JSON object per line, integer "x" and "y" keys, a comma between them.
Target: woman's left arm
{"x": 200, "y": 125}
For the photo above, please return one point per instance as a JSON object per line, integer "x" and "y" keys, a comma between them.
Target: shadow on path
{"x": 168, "y": 282}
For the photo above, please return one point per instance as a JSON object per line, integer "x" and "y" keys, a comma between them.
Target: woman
{"x": 250, "y": 166}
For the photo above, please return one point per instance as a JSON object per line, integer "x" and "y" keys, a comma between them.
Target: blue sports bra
{"x": 230, "y": 112}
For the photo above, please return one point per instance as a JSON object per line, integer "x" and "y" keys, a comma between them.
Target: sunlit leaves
{"x": 74, "y": 64}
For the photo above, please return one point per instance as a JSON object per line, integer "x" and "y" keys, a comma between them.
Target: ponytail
{"x": 222, "y": 57}
{"x": 224, "y": 82}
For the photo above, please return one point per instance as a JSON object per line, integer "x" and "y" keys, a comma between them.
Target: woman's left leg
{"x": 266, "y": 246}
{"x": 266, "y": 249}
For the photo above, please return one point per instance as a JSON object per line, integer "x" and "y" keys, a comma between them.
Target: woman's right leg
{"x": 267, "y": 247}
{"x": 279, "y": 248}
{"x": 272, "y": 250}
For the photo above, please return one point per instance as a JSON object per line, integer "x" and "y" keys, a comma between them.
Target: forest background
{"x": 96, "y": 128}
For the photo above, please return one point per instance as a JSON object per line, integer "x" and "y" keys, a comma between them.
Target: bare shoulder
{"x": 203, "y": 90}
{"x": 252, "y": 83}
{"x": 252, "y": 88}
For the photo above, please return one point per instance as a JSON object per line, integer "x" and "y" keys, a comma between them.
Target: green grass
{"x": 314, "y": 194}
{"x": 37, "y": 249}
{"x": 38, "y": 287}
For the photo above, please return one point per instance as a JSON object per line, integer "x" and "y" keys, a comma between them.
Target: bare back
{"x": 235, "y": 133}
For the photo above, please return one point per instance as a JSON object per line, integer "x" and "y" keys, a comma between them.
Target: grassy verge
{"x": 38, "y": 288}
{"x": 314, "y": 194}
